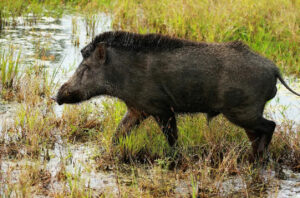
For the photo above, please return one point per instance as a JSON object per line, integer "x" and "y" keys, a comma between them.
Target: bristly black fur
{"x": 239, "y": 46}
{"x": 137, "y": 42}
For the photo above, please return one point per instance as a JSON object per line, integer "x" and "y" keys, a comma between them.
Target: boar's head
{"x": 88, "y": 80}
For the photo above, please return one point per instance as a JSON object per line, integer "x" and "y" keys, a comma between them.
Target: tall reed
{"x": 9, "y": 66}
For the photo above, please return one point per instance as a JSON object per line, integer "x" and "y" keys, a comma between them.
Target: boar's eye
{"x": 85, "y": 67}
{"x": 86, "y": 51}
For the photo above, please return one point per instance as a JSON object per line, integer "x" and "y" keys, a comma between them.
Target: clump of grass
{"x": 91, "y": 21}
{"x": 9, "y": 66}
{"x": 75, "y": 36}
{"x": 34, "y": 129}
{"x": 80, "y": 123}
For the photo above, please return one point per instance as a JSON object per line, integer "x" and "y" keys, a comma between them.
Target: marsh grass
{"x": 9, "y": 66}
{"x": 75, "y": 36}
{"x": 36, "y": 9}
{"x": 209, "y": 155}
{"x": 196, "y": 138}
{"x": 91, "y": 21}
{"x": 269, "y": 27}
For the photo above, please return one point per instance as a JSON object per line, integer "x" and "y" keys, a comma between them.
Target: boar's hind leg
{"x": 131, "y": 119}
{"x": 261, "y": 135}
{"x": 169, "y": 128}
{"x": 259, "y": 131}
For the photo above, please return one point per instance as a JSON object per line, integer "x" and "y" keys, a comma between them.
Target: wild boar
{"x": 159, "y": 76}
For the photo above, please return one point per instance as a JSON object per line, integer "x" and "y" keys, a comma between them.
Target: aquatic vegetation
{"x": 9, "y": 67}
{"x": 10, "y": 10}
{"x": 75, "y": 36}
{"x": 90, "y": 24}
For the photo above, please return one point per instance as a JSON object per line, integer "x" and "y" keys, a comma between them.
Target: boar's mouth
{"x": 69, "y": 97}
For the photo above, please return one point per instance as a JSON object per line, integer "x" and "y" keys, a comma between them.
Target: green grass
{"x": 9, "y": 67}
{"x": 196, "y": 139}
{"x": 269, "y": 27}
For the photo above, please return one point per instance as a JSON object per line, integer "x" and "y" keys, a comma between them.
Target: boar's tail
{"x": 278, "y": 75}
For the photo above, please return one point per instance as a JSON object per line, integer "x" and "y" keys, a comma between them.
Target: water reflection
{"x": 49, "y": 41}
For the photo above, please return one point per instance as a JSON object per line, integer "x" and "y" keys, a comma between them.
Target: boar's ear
{"x": 101, "y": 52}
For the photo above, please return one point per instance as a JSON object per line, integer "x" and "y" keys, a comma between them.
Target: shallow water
{"x": 288, "y": 187}
{"x": 285, "y": 105}
{"x": 74, "y": 161}
{"x": 77, "y": 160}
{"x": 50, "y": 42}
{"x": 52, "y": 39}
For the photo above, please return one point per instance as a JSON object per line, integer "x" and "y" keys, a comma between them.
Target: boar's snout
{"x": 59, "y": 100}
{"x": 67, "y": 95}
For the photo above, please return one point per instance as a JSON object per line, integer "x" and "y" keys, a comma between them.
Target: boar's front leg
{"x": 169, "y": 128}
{"x": 131, "y": 119}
